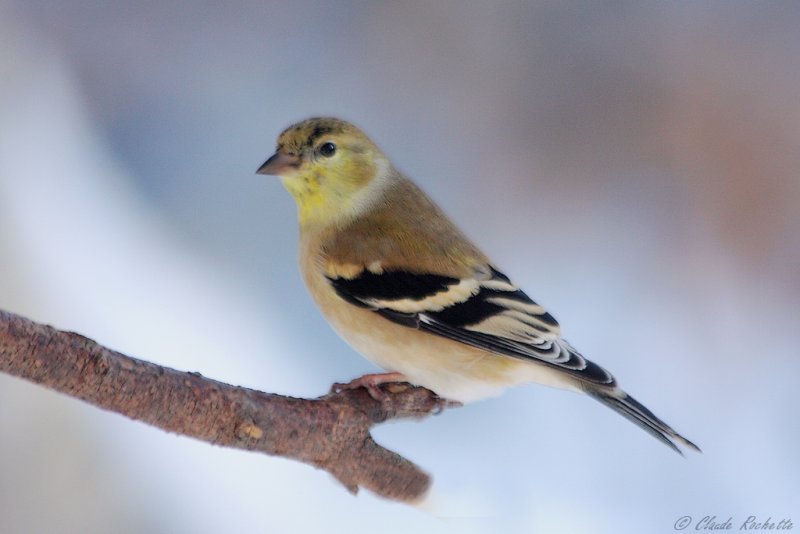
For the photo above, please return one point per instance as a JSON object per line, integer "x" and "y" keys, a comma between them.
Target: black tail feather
{"x": 637, "y": 413}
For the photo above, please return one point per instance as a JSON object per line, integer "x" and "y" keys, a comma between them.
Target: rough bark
{"x": 329, "y": 432}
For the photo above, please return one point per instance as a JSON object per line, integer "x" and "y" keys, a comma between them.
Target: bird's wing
{"x": 486, "y": 311}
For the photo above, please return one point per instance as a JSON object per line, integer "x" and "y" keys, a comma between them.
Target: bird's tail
{"x": 636, "y": 412}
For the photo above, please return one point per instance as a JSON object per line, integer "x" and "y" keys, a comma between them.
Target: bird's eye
{"x": 327, "y": 150}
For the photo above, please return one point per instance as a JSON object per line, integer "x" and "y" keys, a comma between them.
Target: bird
{"x": 401, "y": 284}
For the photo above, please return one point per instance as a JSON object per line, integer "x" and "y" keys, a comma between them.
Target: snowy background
{"x": 634, "y": 168}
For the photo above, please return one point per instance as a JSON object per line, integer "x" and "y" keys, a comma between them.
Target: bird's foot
{"x": 371, "y": 382}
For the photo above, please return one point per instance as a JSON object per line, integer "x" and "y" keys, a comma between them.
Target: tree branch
{"x": 330, "y": 432}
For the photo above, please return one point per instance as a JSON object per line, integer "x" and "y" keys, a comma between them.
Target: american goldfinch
{"x": 404, "y": 287}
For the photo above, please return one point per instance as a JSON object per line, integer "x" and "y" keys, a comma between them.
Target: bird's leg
{"x": 371, "y": 382}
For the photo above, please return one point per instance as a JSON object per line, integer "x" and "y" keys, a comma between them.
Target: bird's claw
{"x": 371, "y": 383}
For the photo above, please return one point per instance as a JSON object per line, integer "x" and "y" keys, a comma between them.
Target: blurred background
{"x": 634, "y": 167}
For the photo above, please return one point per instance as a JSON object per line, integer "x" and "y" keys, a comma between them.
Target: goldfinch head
{"x": 328, "y": 165}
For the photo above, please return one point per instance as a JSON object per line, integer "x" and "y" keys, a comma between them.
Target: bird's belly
{"x": 452, "y": 371}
